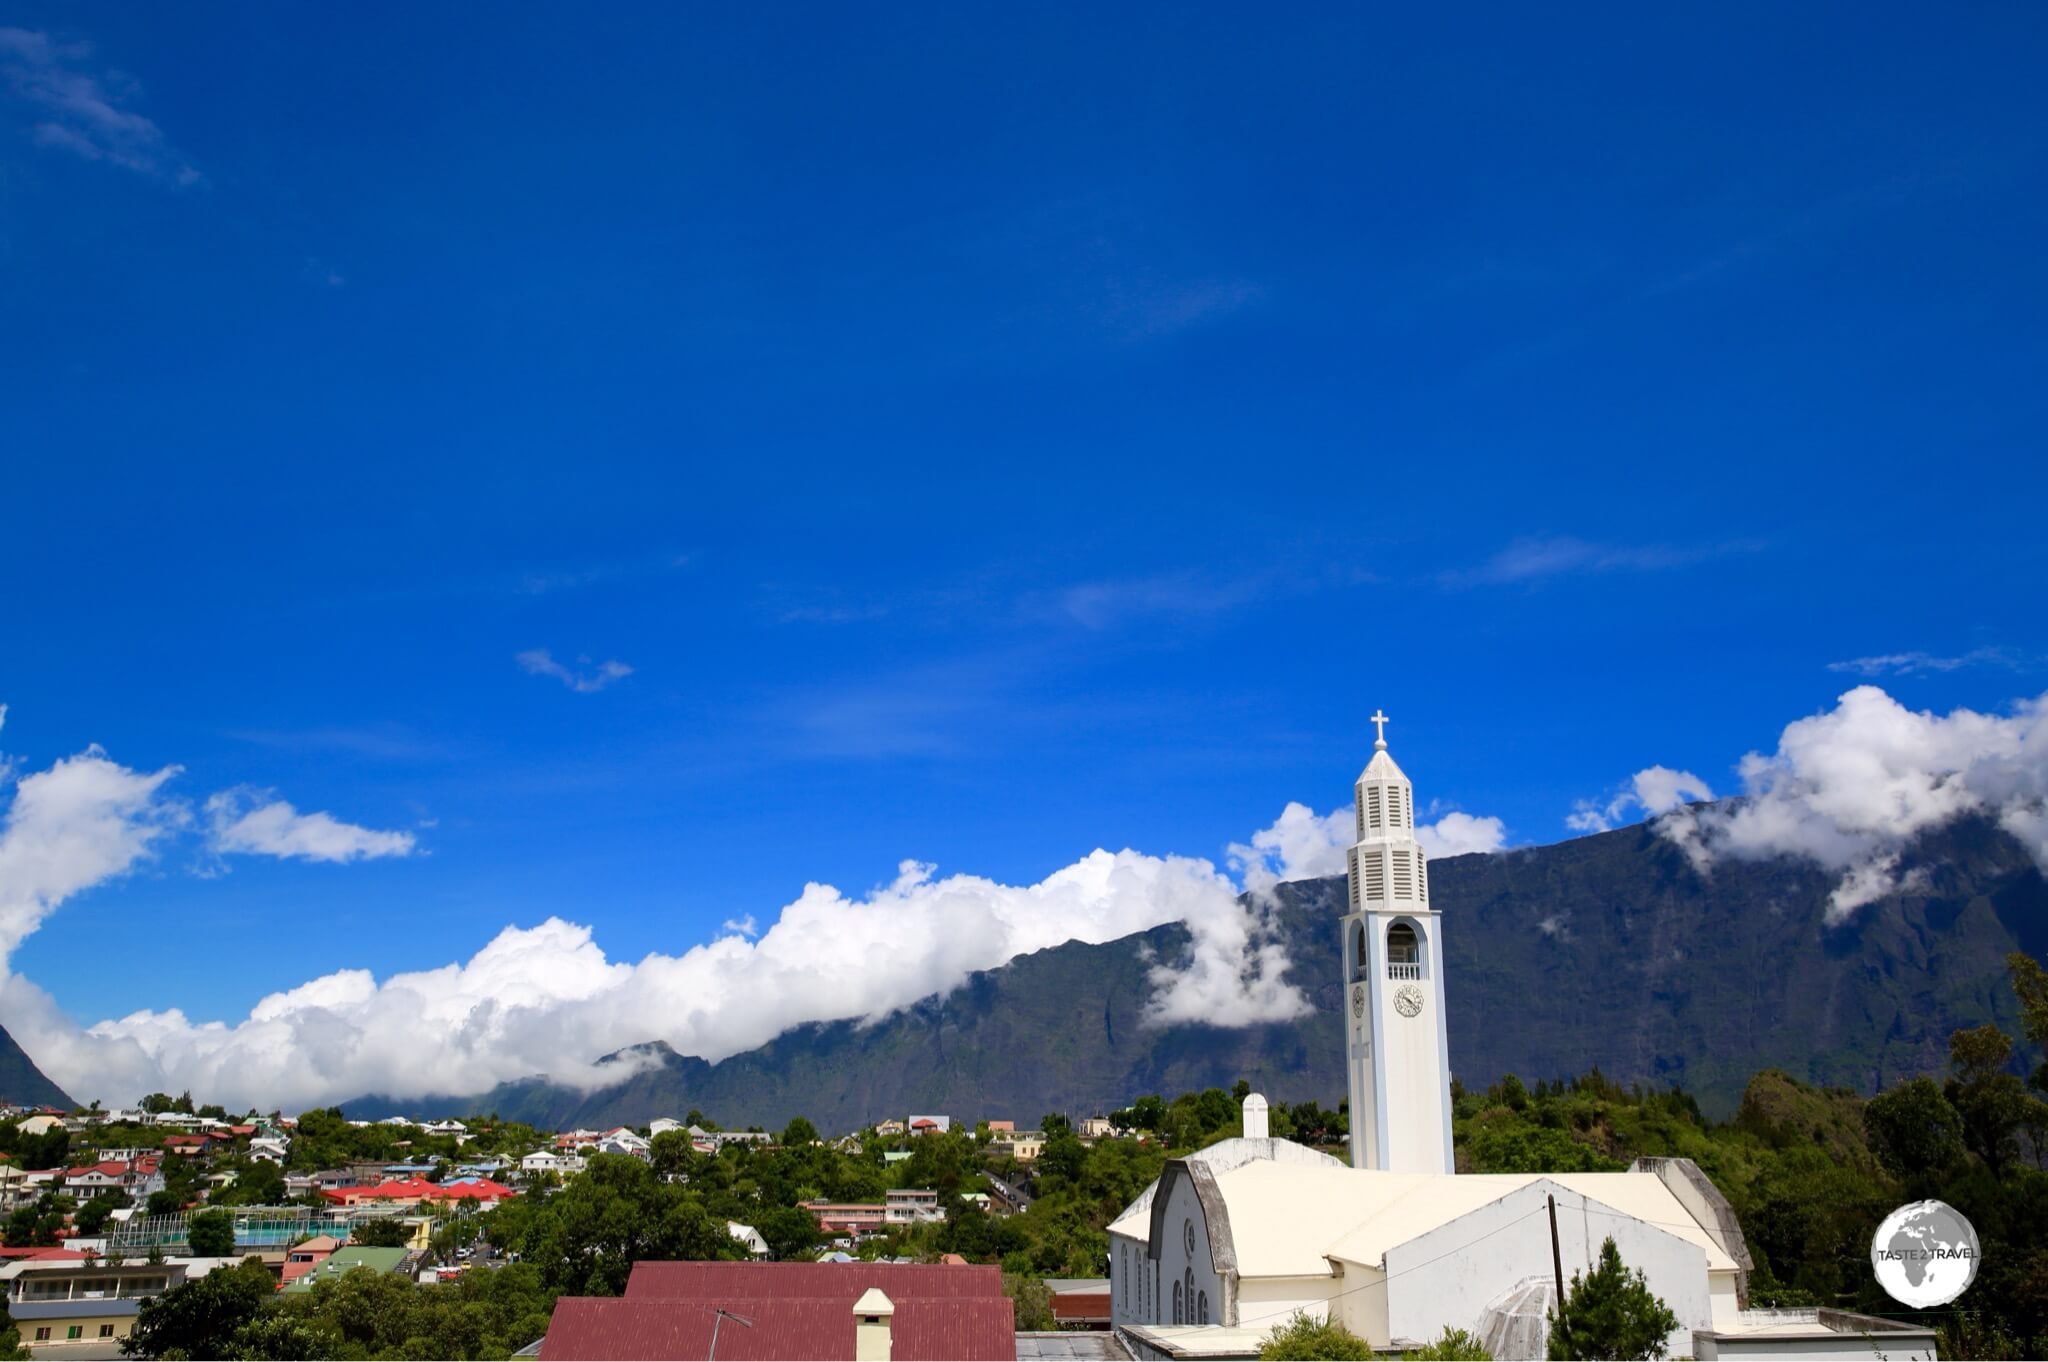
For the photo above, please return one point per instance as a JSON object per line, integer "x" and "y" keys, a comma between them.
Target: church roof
{"x": 1234, "y": 1153}
{"x": 1383, "y": 768}
{"x": 1290, "y": 1219}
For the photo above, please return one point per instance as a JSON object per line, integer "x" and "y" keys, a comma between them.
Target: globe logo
{"x": 1925, "y": 1254}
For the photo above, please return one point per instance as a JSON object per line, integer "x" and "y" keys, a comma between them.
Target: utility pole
{"x": 1556, "y": 1262}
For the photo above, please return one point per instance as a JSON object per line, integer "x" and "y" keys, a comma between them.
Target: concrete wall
{"x": 1449, "y": 1275}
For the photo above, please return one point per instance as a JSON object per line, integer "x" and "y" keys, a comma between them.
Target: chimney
{"x": 1255, "y": 1117}
{"x": 871, "y": 1326}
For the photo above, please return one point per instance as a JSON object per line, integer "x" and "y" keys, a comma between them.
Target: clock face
{"x": 1408, "y": 1001}
{"x": 1358, "y": 1000}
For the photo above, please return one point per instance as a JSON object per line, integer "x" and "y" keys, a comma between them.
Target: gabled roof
{"x": 1290, "y": 1219}
{"x": 793, "y": 1328}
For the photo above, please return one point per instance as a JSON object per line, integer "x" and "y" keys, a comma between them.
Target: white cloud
{"x": 1461, "y": 834}
{"x": 275, "y": 828}
{"x": 1915, "y": 663}
{"x": 1851, "y": 788}
{"x": 1651, "y": 791}
{"x": 1534, "y": 559}
{"x": 1302, "y": 844}
{"x": 84, "y": 112}
{"x": 82, "y": 822}
{"x": 547, "y": 999}
{"x": 539, "y": 662}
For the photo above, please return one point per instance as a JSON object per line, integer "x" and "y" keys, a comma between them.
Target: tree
{"x": 1304, "y": 1336}
{"x": 1032, "y": 1299}
{"x": 10, "y": 1337}
{"x": 211, "y": 1234}
{"x": 799, "y": 1131}
{"x": 587, "y": 1237}
{"x": 1610, "y": 1313}
{"x": 1993, "y": 1103}
{"x": 1455, "y": 1346}
{"x": 165, "y": 1202}
{"x": 384, "y": 1232}
{"x": 201, "y": 1317}
{"x": 1913, "y": 1129}
{"x": 92, "y": 1216}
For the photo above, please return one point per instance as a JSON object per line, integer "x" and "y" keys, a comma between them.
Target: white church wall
{"x": 1184, "y": 1258}
{"x": 1412, "y": 1053}
{"x": 1263, "y": 1302}
{"x": 1724, "y": 1298}
{"x": 1360, "y": 1301}
{"x": 1449, "y": 1275}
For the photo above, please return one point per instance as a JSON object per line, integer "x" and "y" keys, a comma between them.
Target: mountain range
{"x": 1610, "y": 951}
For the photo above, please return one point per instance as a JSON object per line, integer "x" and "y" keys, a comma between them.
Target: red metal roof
{"x": 1077, "y": 1306}
{"x": 796, "y": 1329}
{"x": 900, "y": 1282}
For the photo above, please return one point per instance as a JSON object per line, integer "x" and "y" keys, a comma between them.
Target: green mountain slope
{"x": 22, "y": 1084}
{"x": 1607, "y": 950}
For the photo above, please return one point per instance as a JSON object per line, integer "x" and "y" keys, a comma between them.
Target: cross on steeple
{"x": 1379, "y": 718}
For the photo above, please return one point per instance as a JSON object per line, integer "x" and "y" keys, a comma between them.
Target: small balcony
{"x": 1399, "y": 969}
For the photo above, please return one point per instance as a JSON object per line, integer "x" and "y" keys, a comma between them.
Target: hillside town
{"x": 106, "y": 1209}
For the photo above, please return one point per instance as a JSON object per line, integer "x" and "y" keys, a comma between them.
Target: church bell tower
{"x": 1399, "y": 1055}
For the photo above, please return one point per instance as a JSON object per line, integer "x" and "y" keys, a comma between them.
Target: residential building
{"x": 1095, "y": 1128}
{"x": 445, "y": 1128}
{"x": 911, "y": 1206}
{"x": 748, "y": 1235}
{"x": 344, "y": 1260}
{"x": 57, "y": 1301}
{"x": 136, "y": 1179}
{"x": 922, "y": 1125}
{"x": 662, "y": 1125}
{"x": 302, "y": 1258}
{"x": 848, "y": 1217}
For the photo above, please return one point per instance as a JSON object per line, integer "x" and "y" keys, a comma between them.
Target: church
{"x": 1396, "y": 1245}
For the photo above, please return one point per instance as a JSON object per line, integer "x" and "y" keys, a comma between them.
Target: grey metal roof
{"x": 1070, "y": 1345}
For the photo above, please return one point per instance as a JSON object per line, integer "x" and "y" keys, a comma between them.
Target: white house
{"x": 445, "y": 1128}
{"x": 662, "y": 1125}
{"x": 547, "y": 1161}
{"x": 620, "y": 1140}
{"x": 1397, "y": 1246}
{"x": 757, "y": 1247}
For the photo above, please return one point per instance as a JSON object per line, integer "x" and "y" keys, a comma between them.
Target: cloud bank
{"x": 1852, "y": 787}
{"x": 547, "y": 999}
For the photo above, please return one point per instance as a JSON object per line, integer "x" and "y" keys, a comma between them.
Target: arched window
{"x": 1176, "y": 1302}
{"x": 1189, "y": 1275}
{"x": 1359, "y": 956}
{"x": 1404, "y": 952}
{"x": 1202, "y": 1308}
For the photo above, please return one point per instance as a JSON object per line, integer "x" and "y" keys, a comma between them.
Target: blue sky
{"x": 984, "y": 436}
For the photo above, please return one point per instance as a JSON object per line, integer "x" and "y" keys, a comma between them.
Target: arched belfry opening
{"x": 1359, "y": 957}
{"x": 1404, "y": 952}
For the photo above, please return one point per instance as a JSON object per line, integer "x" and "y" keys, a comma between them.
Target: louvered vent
{"x": 1354, "y": 879}
{"x": 1372, "y": 806}
{"x": 1358, "y": 807}
{"x": 1375, "y": 875}
{"x": 1421, "y": 877}
{"x": 1394, "y": 807}
{"x": 1404, "y": 876}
